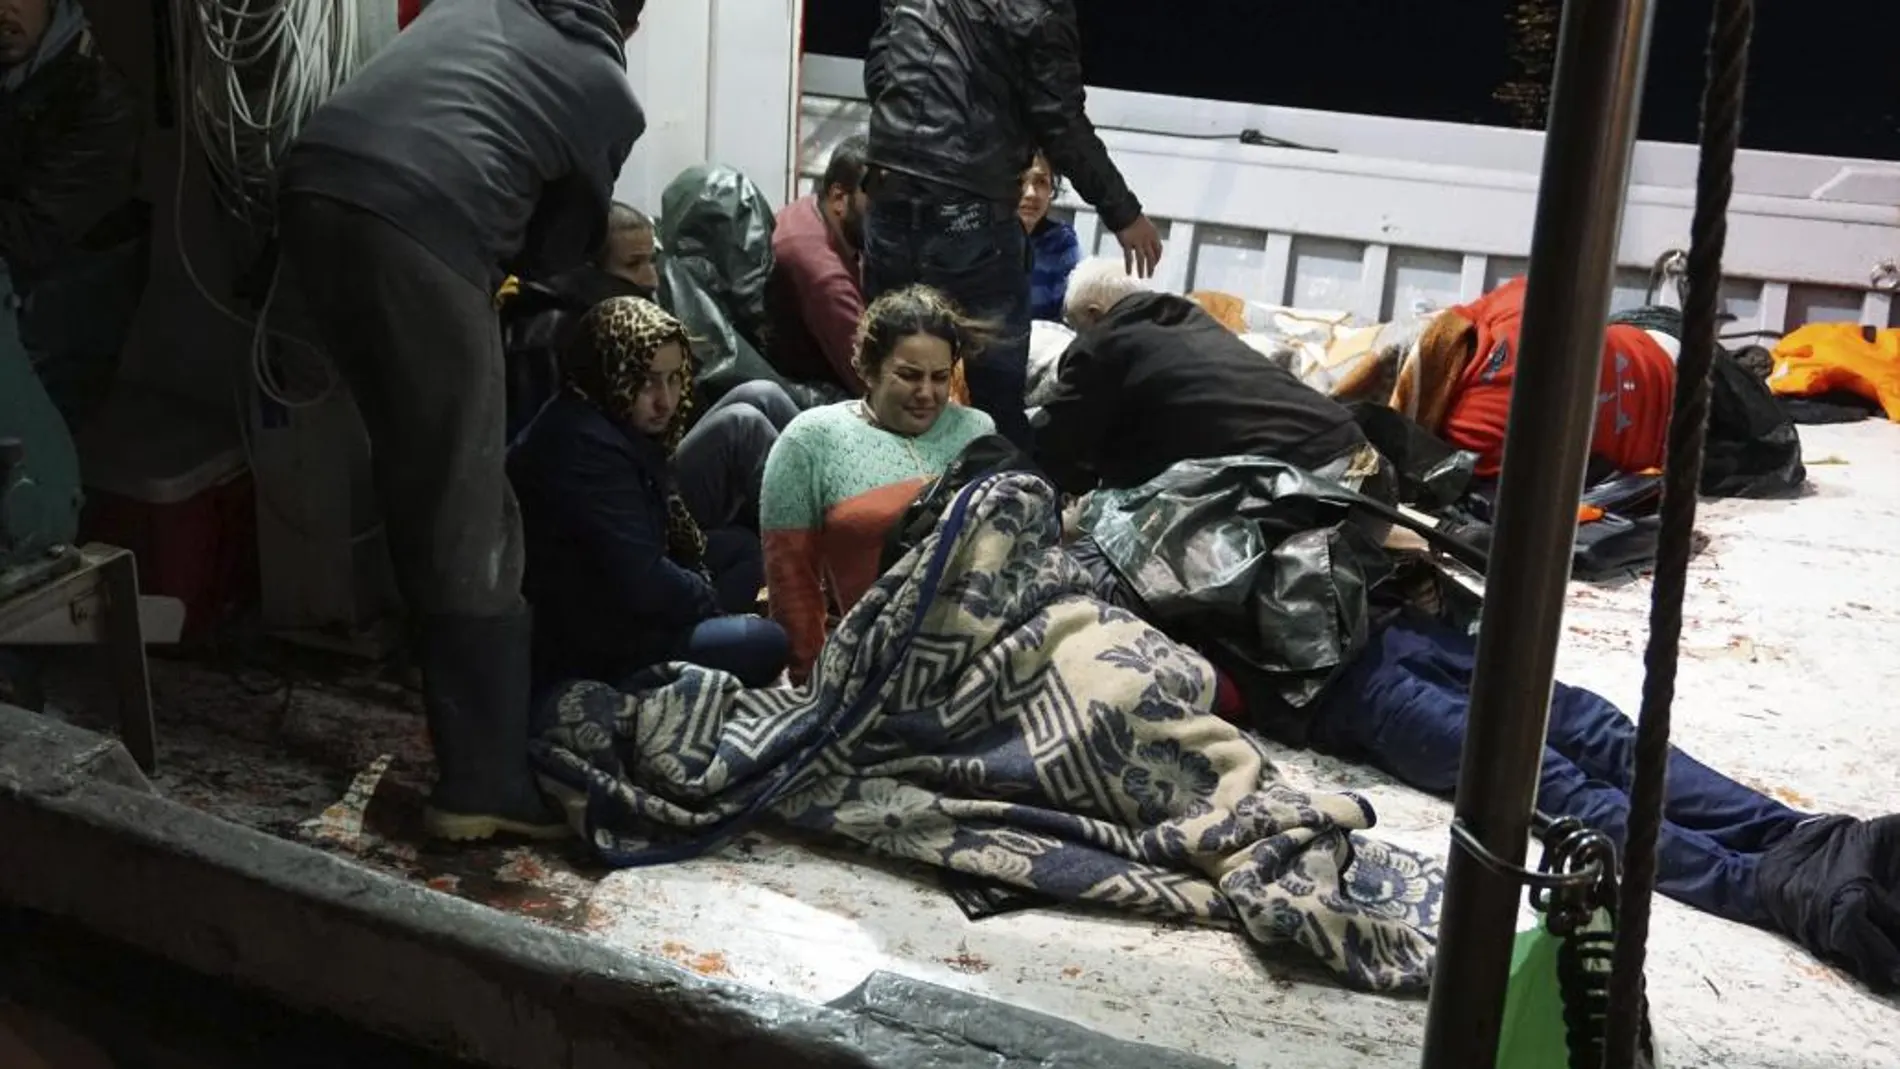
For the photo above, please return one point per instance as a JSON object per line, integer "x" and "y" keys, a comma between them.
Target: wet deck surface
{"x": 1787, "y": 683}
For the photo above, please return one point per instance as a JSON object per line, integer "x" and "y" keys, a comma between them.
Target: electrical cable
{"x": 251, "y": 72}
{"x": 255, "y": 71}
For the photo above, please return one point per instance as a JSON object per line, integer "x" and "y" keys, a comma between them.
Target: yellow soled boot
{"x": 475, "y": 687}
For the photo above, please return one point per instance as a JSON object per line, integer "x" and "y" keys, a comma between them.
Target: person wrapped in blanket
{"x": 642, "y": 536}
{"x": 1400, "y": 697}
{"x": 841, "y": 475}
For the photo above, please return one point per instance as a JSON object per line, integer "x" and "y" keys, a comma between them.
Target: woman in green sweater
{"x": 841, "y": 475}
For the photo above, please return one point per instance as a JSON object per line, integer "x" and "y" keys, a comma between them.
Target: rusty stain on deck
{"x": 967, "y": 963}
{"x": 712, "y": 963}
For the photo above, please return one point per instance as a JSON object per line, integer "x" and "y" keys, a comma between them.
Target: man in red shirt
{"x": 815, "y": 298}
{"x": 1471, "y": 353}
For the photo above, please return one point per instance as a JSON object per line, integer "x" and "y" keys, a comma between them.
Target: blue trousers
{"x": 977, "y": 255}
{"x": 1402, "y": 706}
{"x": 751, "y": 648}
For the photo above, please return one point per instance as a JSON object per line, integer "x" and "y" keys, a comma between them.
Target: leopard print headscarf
{"x": 613, "y": 350}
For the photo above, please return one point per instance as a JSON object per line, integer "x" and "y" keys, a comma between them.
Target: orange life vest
{"x": 1824, "y": 357}
{"x": 1635, "y": 389}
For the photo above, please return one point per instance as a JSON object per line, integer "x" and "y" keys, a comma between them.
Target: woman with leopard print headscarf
{"x": 642, "y": 541}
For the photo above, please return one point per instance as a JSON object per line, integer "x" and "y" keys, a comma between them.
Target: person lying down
{"x": 976, "y": 708}
{"x": 1006, "y": 705}
{"x": 1399, "y": 698}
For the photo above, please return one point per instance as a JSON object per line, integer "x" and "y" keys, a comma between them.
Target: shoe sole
{"x": 471, "y": 828}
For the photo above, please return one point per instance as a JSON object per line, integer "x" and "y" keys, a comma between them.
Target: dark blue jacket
{"x": 607, "y": 598}
{"x": 1057, "y": 251}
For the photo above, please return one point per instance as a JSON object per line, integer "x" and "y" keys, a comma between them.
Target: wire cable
{"x": 255, "y": 71}
{"x": 251, "y": 72}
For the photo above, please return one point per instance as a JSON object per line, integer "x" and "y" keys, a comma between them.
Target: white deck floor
{"x": 1787, "y": 678}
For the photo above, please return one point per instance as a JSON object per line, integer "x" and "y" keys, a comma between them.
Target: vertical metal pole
{"x": 1601, "y": 52}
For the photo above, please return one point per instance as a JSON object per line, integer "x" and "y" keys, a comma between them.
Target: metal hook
{"x": 1885, "y": 277}
{"x": 1671, "y": 266}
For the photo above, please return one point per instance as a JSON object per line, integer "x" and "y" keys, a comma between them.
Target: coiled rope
{"x": 1730, "y": 28}
{"x": 254, "y": 71}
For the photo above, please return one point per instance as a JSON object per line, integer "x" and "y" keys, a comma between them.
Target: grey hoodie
{"x": 490, "y": 131}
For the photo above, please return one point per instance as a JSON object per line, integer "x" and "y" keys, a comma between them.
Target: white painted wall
{"x": 1404, "y": 211}
{"x": 719, "y": 81}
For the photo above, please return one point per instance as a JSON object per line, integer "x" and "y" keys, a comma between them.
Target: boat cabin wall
{"x": 1386, "y": 217}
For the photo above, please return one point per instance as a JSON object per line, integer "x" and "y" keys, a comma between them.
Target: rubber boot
{"x": 475, "y": 690}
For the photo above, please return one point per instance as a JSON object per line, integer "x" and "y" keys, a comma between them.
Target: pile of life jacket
{"x": 1823, "y": 360}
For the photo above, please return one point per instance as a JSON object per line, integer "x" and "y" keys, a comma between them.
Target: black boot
{"x": 1833, "y": 885}
{"x": 475, "y": 689}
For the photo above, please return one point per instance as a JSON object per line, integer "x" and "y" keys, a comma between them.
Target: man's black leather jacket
{"x": 963, "y": 92}
{"x": 69, "y": 146}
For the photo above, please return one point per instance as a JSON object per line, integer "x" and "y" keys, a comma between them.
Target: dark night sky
{"x": 1824, "y": 77}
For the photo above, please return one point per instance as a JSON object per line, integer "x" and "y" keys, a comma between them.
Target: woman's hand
{"x": 1072, "y": 517}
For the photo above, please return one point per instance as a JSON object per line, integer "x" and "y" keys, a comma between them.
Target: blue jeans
{"x": 750, "y": 647}
{"x": 1402, "y": 704}
{"x": 976, "y": 254}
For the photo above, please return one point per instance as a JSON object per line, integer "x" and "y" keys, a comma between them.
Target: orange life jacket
{"x": 1635, "y": 388}
{"x": 1825, "y": 357}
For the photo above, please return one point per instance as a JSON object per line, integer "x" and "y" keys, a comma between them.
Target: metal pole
{"x": 1597, "y": 87}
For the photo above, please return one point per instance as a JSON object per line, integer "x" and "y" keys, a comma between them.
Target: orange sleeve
{"x": 795, "y": 587}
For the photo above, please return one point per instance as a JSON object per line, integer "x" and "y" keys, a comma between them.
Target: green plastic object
{"x": 1533, "y": 1036}
{"x": 40, "y": 496}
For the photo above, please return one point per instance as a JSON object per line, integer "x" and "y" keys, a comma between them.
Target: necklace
{"x": 910, "y": 443}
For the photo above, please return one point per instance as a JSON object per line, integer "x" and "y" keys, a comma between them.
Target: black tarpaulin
{"x": 715, "y": 234}
{"x": 1259, "y": 558}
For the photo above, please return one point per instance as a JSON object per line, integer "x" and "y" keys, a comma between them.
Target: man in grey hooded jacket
{"x": 484, "y": 141}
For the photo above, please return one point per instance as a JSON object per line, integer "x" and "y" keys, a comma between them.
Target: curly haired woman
{"x": 841, "y": 475}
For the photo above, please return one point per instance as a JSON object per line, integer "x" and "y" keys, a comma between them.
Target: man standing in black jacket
{"x": 69, "y": 130}
{"x": 72, "y": 250}
{"x": 484, "y": 141}
{"x": 963, "y": 93}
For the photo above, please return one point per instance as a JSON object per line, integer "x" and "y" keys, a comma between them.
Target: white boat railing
{"x": 1390, "y": 217}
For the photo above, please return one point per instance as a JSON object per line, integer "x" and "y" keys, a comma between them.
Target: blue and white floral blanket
{"x": 981, "y": 711}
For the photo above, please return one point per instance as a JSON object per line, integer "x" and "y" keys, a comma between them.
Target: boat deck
{"x": 1786, "y": 680}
